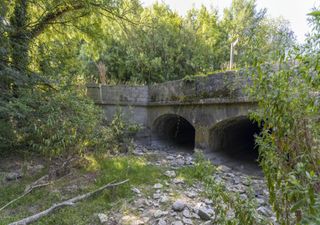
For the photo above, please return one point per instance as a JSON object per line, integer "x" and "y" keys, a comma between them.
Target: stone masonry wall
{"x": 216, "y": 86}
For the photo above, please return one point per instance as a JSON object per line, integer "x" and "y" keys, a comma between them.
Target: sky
{"x": 293, "y": 10}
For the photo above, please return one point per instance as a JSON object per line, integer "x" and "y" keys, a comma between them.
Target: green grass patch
{"x": 106, "y": 170}
{"x": 201, "y": 170}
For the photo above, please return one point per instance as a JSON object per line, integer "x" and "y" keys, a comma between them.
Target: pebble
{"x": 204, "y": 214}
{"x": 158, "y": 186}
{"x": 178, "y": 222}
{"x": 160, "y": 213}
{"x": 162, "y": 222}
{"x": 157, "y": 195}
{"x": 103, "y": 218}
{"x": 264, "y": 211}
{"x": 180, "y": 162}
{"x": 13, "y": 176}
{"x": 178, "y": 205}
{"x": 186, "y": 213}
{"x": 187, "y": 221}
{"x": 136, "y": 190}
{"x": 170, "y": 173}
{"x": 191, "y": 194}
{"x": 178, "y": 181}
{"x": 163, "y": 199}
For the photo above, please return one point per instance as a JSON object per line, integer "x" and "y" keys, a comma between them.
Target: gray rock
{"x": 136, "y": 190}
{"x": 178, "y": 181}
{"x": 140, "y": 203}
{"x": 186, "y": 213}
{"x": 157, "y": 195}
{"x": 204, "y": 214}
{"x": 13, "y": 176}
{"x": 264, "y": 211}
{"x": 170, "y": 173}
{"x": 191, "y": 194}
{"x": 158, "y": 186}
{"x": 189, "y": 160}
{"x": 160, "y": 213}
{"x": 35, "y": 168}
{"x": 163, "y": 199}
{"x": 178, "y": 222}
{"x": 224, "y": 168}
{"x": 187, "y": 221}
{"x": 260, "y": 201}
{"x": 103, "y": 218}
{"x": 180, "y": 162}
{"x": 207, "y": 223}
{"x": 162, "y": 222}
{"x": 170, "y": 157}
{"x": 178, "y": 205}
{"x": 173, "y": 214}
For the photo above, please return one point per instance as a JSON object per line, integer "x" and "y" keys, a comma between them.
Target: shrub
{"x": 52, "y": 123}
{"x": 289, "y": 144}
{"x": 58, "y": 123}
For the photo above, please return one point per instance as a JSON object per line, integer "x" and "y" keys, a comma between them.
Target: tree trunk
{"x": 19, "y": 37}
{"x": 102, "y": 72}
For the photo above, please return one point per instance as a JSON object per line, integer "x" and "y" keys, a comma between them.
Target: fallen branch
{"x": 38, "y": 183}
{"x": 69, "y": 202}
{"x": 28, "y": 189}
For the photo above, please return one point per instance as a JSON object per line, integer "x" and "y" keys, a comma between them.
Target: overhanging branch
{"x": 51, "y": 17}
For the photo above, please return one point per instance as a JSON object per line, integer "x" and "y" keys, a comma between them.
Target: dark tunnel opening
{"x": 234, "y": 141}
{"x": 176, "y": 131}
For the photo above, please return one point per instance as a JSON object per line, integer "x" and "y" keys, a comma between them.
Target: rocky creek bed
{"x": 176, "y": 202}
{"x": 170, "y": 199}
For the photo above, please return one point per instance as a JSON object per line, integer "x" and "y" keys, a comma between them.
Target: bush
{"x": 58, "y": 123}
{"x": 119, "y": 134}
{"x": 203, "y": 168}
{"x": 289, "y": 144}
{"x": 51, "y": 123}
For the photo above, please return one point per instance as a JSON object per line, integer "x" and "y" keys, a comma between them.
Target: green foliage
{"x": 201, "y": 170}
{"x": 42, "y": 108}
{"x": 119, "y": 134}
{"x": 52, "y": 123}
{"x": 260, "y": 39}
{"x": 165, "y": 46}
{"x": 231, "y": 208}
{"x": 289, "y": 145}
{"x": 202, "y": 167}
{"x": 189, "y": 79}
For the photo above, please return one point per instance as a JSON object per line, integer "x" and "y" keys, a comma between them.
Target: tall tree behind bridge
{"x": 261, "y": 39}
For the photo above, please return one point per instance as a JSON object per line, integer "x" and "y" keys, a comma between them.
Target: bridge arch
{"x": 234, "y": 138}
{"x": 175, "y": 130}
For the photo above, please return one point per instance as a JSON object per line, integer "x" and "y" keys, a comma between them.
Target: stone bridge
{"x": 209, "y": 113}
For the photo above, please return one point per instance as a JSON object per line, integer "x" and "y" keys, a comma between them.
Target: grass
{"x": 103, "y": 168}
{"x": 200, "y": 171}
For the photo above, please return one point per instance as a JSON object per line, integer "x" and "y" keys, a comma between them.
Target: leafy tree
{"x": 33, "y": 57}
{"x": 260, "y": 39}
{"x": 289, "y": 145}
{"x": 211, "y": 51}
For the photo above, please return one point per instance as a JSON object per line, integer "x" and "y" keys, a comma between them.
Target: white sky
{"x": 293, "y": 10}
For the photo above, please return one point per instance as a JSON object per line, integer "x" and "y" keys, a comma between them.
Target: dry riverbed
{"x": 164, "y": 188}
